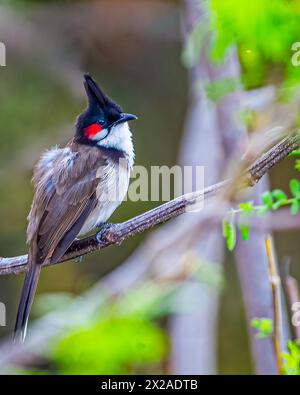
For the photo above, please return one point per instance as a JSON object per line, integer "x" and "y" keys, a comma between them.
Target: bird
{"x": 76, "y": 188}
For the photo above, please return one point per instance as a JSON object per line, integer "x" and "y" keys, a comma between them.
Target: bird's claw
{"x": 109, "y": 234}
{"x": 103, "y": 228}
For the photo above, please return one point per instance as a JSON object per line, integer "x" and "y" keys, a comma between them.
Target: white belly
{"x": 110, "y": 193}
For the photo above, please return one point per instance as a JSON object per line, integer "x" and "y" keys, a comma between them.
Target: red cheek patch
{"x": 91, "y": 130}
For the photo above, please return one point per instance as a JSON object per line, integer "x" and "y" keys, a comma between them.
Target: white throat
{"x": 120, "y": 138}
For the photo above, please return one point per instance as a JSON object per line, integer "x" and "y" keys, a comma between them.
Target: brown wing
{"x": 64, "y": 197}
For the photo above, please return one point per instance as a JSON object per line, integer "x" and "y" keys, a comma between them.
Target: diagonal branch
{"x": 117, "y": 233}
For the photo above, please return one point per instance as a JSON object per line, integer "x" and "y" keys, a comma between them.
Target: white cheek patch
{"x": 120, "y": 138}
{"x": 100, "y": 135}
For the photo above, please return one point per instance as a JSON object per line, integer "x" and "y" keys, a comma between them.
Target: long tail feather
{"x": 27, "y": 295}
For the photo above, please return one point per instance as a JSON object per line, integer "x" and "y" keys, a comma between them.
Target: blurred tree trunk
{"x": 251, "y": 258}
{"x": 194, "y": 331}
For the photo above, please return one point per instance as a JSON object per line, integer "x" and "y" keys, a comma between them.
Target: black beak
{"x": 124, "y": 117}
{"x": 93, "y": 91}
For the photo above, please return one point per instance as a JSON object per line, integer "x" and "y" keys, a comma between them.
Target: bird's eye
{"x": 92, "y": 130}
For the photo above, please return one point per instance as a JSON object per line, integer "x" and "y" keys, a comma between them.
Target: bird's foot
{"x": 109, "y": 234}
{"x": 102, "y": 225}
{"x": 103, "y": 228}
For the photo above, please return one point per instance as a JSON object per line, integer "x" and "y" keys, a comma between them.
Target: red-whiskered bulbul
{"x": 73, "y": 187}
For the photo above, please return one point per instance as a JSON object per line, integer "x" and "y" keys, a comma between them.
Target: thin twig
{"x": 275, "y": 284}
{"x": 293, "y": 297}
{"x": 117, "y": 233}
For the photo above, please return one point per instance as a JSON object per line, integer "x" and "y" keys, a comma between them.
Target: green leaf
{"x": 296, "y": 152}
{"x": 225, "y": 225}
{"x": 229, "y": 233}
{"x": 295, "y": 187}
{"x": 264, "y": 326}
{"x": 280, "y": 198}
{"x": 292, "y": 358}
{"x": 297, "y": 164}
{"x": 247, "y": 208}
{"x": 267, "y": 199}
{"x": 295, "y": 207}
{"x": 245, "y": 230}
{"x": 279, "y": 195}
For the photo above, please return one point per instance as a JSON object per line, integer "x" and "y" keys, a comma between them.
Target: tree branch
{"x": 116, "y": 233}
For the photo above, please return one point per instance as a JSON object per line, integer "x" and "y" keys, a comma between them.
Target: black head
{"x": 101, "y": 115}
